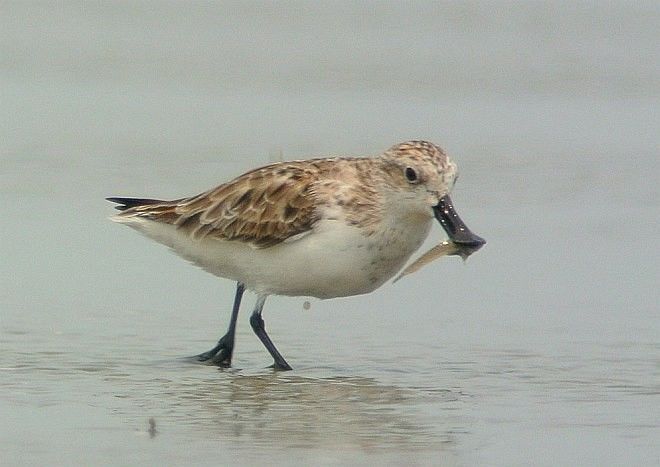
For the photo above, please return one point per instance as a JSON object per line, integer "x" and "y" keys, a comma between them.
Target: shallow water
{"x": 543, "y": 349}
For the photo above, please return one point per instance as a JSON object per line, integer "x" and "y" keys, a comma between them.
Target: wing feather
{"x": 263, "y": 207}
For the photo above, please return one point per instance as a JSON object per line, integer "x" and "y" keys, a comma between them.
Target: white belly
{"x": 334, "y": 260}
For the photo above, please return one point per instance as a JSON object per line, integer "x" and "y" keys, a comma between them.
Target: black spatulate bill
{"x": 459, "y": 233}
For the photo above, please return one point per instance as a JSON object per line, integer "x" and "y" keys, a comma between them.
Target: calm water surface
{"x": 543, "y": 349}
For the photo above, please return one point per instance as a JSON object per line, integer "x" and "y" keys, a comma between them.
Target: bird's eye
{"x": 411, "y": 174}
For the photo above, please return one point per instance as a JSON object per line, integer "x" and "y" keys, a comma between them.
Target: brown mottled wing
{"x": 263, "y": 207}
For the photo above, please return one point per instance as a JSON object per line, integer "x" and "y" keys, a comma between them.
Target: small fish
{"x": 462, "y": 241}
{"x": 444, "y": 248}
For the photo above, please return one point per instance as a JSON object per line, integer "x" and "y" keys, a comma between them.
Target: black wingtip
{"x": 126, "y": 203}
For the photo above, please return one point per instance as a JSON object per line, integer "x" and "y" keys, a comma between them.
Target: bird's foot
{"x": 282, "y": 365}
{"x": 219, "y": 355}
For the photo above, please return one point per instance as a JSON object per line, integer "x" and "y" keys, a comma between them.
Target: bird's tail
{"x": 127, "y": 203}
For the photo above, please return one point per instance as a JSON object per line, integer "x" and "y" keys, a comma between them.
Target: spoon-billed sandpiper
{"x": 325, "y": 228}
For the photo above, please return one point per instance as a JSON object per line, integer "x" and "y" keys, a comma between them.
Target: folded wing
{"x": 263, "y": 207}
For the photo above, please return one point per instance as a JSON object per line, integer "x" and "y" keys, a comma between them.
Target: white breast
{"x": 333, "y": 260}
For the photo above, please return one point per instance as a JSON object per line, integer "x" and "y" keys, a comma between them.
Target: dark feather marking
{"x": 289, "y": 212}
{"x": 126, "y": 203}
{"x": 245, "y": 197}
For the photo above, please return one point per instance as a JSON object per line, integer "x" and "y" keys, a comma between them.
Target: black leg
{"x": 222, "y": 352}
{"x": 257, "y": 323}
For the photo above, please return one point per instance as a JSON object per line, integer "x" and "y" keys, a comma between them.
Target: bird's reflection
{"x": 293, "y": 411}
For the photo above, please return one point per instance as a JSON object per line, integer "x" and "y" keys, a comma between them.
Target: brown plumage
{"x": 323, "y": 228}
{"x": 266, "y": 206}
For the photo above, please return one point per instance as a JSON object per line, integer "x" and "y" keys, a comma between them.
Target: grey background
{"x": 544, "y": 349}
